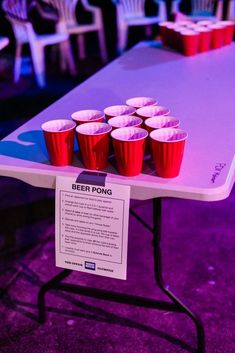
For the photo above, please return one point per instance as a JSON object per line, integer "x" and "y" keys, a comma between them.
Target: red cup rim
{"x": 150, "y": 122}
{"x": 226, "y": 23}
{"x": 122, "y": 110}
{"x": 165, "y": 23}
{"x": 144, "y": 111}
{"x": 114, "y": 121}
{"x": 133, "y": 102}
{"x": 216, "y": 26}
{"x": 184, "y": 22}
{"x": 49, "y": 126}
{"x": 82, "y": 115}
{"x": 132, "y": 131}
{"x": 160, "y": 135}
{"x": 86, "y": 129}
{"x": 203, "y": 29}
{"x": 188, "y": 32}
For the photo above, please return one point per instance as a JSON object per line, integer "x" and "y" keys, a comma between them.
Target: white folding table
{"x": 198, "y": 90}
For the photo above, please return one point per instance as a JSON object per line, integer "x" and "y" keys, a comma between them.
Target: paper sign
{"x": 92, "y": 227}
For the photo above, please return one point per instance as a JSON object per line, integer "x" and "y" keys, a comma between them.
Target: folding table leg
{"x": 157, "y": 210}
{"x": 46, "y": 287}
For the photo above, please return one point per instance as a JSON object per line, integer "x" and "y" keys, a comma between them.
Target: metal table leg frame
{"x": 42, "y": 293}
{"x": 175, "y": 305}
{"x": 157, "y": 210}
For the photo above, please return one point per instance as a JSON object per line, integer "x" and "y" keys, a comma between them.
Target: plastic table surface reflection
{"x": 198, "y": 90}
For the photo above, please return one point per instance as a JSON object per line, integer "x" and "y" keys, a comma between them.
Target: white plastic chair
{"x": 67, "y": 13}
{"x": 231, "y": 10}
{"x": 132, "y": 13}
{"x": 16, "y": 13}
{"x": 202, "y": 9}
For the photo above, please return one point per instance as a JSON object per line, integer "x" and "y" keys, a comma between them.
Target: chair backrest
{"x": 132, "y": 8}
{"x": 16, "y": 9}
{"x": 203, "y": 7}
{"x": 16, "y": 12}
{"x": 231, "y": 10}
{"x": 66, "y": 9}
{"x": 23, "y": 31}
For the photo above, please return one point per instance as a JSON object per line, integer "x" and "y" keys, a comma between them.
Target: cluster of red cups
{"x": 191, "y": 38}
{"x": 136, "y": 128}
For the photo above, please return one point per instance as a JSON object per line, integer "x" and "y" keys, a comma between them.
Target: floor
{"x": 198, "y": 248}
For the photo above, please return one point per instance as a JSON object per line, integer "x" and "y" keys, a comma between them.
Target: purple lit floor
{"x": 199, "y": 263}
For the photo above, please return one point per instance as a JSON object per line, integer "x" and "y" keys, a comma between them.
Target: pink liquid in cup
{"x": 125, "y": 121}
{"x": 138, "y": 102}
{"x": 59, "y": 139}
{"x": 93, "y": 139}
{"x": 87, "y": 116}
{"x": 129, "y": 147}
{"x": 167, "y": 149}
{"x": 116, "y": 110}
{"x": 151, "y": 111}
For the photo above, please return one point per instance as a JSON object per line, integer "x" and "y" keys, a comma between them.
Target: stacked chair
{"x": 202, "y": 9}
{"x": 67, "y": 13}
{"x": 17, "y": 13}
{"x": 132, "y": 13}
{"x": 231, "y": 10}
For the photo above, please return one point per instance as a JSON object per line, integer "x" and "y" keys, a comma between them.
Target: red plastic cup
{"x": 217, "y": 39}
{"x": 190, "y": 41}
{"x": 178, "y": 39}
{"x": 116, "y": 110}
{"x": 139, "y": 102}
{"x": 93, "y": 139}
{"x": 205, "y": 35}
{"x": 59, "y": 138}
{"x": 167, "y": 149}
{"x": 228, "y": 31}
{"x": 87, "y": 116}
{"x": 170, "y": 32}
{"x": 163, "y": 31}
{"x": 125, "y": 121}
{"x": 159, "y": 122}
{"x": 129, "y": 147}
{"x": 149, "y": 112}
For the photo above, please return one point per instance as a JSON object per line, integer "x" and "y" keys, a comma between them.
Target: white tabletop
{"x": 199, "y": 90}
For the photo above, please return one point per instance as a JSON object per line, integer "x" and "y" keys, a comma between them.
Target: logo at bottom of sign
{"x": 90, "y": 265}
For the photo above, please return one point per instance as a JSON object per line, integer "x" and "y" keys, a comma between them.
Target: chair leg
{"x": 37, "y": 52}
{"x": 17, "y": 65}
{"x": 81, "y": 46}
{"x": 102, "y": 45}
{"x": 148, "y": 31}
{"x": 62, "y": 57}
{"x": 122, "y": 38}
{"x": 67, "y": 57}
